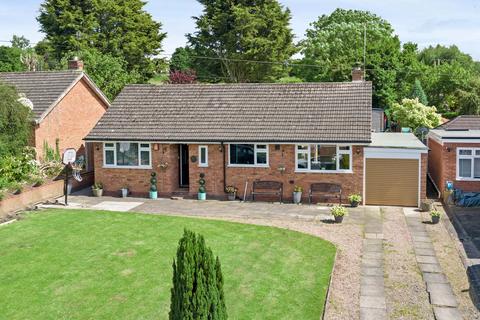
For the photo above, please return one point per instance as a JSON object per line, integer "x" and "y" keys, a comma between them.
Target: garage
{"x": 393, "y": 170}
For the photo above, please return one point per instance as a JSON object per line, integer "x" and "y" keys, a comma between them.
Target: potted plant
{"x": 202, "y": 192}
{"x": 426, "y": 205}
{"x": 338, "y": 213}
{"x": 231, "y": 192}
{"x": 124, "y": 191}
{"x": 435, "y": 214}
{"x": 97, "y": 189}
{"x": 153, "y": 185}
{"x": 355, "y": 199}
{"x": 297, "y": 194}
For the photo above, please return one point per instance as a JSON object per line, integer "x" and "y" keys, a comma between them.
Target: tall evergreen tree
{"x": 121, "y": 28}
{"x": 232, "y": 34}
{"x": 417, "y": 92}
{"x": 335, "y": 43}
{"x": 197, "y": 291}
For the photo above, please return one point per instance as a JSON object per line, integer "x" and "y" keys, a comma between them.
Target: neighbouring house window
{"x": 203, "y": 156}
{"x": 127, "y": 154}
{"x": 468, "y": 163}
{"x": 248, "y": 154}
{"x": 323, "y": 157}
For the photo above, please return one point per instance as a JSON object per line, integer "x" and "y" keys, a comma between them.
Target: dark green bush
{"x": 197, "y": 291}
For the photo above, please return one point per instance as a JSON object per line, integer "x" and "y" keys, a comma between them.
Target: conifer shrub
{"x": 197, "y": 291}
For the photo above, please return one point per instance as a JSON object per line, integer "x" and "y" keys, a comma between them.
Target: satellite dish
{"x": 25, "y": 101}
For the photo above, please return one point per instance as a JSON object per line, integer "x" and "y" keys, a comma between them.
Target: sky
{"x": 426, "y": 22}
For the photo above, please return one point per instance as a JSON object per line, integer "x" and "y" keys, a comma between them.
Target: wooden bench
{"x": 327, "y": 190}
{"x": 267, "y": 188}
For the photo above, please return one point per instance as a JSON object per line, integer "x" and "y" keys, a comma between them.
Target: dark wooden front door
{"x": 183, "y": 165}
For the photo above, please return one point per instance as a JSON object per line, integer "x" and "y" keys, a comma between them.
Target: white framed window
{"x": 248, "y": 155}
{"x": 468, "y": 163}
{"x": 203, "y": 156}
{"x": 323, "y": 158}
{"x": 127, "y": 155}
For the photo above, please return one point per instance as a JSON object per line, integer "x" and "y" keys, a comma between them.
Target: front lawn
{"x": 81, "y": 264}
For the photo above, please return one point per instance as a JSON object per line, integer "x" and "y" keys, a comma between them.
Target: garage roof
{"x": 396, "y": 140}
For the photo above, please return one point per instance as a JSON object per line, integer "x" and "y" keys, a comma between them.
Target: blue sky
{"x": 425, "y": 22}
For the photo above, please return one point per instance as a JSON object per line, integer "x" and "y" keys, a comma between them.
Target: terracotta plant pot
{"x": 97, "y": 192}
{"x": 338, "y": 219}
{"x": 297, "y": 197}
{"x": 435, "y": 219}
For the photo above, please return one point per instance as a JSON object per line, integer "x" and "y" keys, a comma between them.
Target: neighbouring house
{"x": 66, "y": 105}
{"x": 455, "y": 153}
{"x": 235, "y": 134}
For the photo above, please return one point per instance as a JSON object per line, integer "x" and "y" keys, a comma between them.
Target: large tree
{"x": 15, "y": 122}
{"x": 335, "y": 43}
{"x": 109, "y": 73}
{"x": 412, "y": 114}
{"x": 242, "y": 40}
{"x": 10, "y": 59}
{"x": 121, "y": 28}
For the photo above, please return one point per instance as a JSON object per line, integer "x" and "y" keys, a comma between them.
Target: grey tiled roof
{"x": 301, "y": 112}
{"x": 43, "y": 88}
{"x": 465, "y": 122}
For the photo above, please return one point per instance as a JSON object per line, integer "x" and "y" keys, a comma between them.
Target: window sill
{"x": 468, "y": 179}
{"x": 248, "y": 166}
{"x": 203, "y": 165}
{"x": 128, "y": 167}
{"x": 324, "y": 171}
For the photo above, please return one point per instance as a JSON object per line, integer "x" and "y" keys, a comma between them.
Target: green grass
{"x": 81, "y": 264}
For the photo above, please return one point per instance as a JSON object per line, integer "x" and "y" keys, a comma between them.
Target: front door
{"x": 183, "y": 165}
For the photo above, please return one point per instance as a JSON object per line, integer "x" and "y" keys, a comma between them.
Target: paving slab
{"x": 372, "y": 290}
{"x": 441, "y": 294}
{"x": 423, "y": 245}
{"x": 373, "y": 248}
{"x": 117, "y": 205}
{"x": 371, "y": 235}
{"x": 443, "y": 313}
{"x": 430, "y": 277}
{"x": 372, "y": 262}
{"x": 373, "y": 314}
{"x": 373, "y": 241}
{"x": 430, "y": 267}
{"x": 372, "y": 271}
{"x": 372, "y": 280}
{"x": 373, "y": 255}
{"x": 421, "y": 239}
{"x": 372, "y": 302}
{"x": 427, "y": 259}
{"x": 425, "y": 252}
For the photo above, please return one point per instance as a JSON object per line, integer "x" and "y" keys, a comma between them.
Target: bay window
{"x": 126, "y": 154}
{"x": 468, "y": 163}
{"x": 248, "y": 155}
{"x": 323, "y": 158}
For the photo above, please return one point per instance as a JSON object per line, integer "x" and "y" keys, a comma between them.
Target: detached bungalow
{"x": 455, "y": 153}
{"x": 296, "y": 134}
{"x": 66, "y": 105}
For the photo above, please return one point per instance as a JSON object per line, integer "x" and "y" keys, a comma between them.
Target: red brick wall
{"x": 71, "y": 120}
{"x": 442, "y": 165}
{"x": 351, "y": 182}
{"x": 138, "y": 180}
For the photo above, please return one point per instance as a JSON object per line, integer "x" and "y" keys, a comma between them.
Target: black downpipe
{"x": 224, "y": 167}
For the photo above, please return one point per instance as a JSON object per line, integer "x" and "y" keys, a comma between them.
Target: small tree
{"x": 417, "y": 92}
{"x": 411, "y": 113}
{"x": 182, "y": 77}
{"x": 197, "y": 291}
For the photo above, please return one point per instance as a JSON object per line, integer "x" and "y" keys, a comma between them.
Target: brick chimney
{"x": 75, "y": 64}
{"x": 357, "y": 74}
